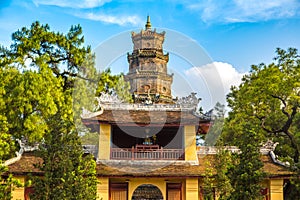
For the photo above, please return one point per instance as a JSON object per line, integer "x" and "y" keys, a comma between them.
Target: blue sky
{"x": 234, "y": 33}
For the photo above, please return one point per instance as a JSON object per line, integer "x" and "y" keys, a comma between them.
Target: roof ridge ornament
{"x": 106, "y": 98}
{"x": 189, "y": 101}
{"x": 148, "y": 24}
{"x": 24, "y": 147}
{"x": 102, "y": 100}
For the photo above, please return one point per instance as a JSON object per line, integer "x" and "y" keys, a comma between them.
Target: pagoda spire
{"x": 148, "y": 23}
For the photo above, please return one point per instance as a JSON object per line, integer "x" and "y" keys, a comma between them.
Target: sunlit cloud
{"x": 123, "y": 20}
{"x": 226, "y": 72}
{"x": 244, "y": 11}
{"x": 72, "y": 3}
{"x": 228, "y": 75}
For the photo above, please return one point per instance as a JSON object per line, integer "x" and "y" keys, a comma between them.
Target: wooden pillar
{"x": 276, "y": 189}
{"x": 19, "y": 192}
{"x": 104, "y": 142}
{"x": 191, "y": 189}
{"x": 190, "y": 143}
{"x": 103, "y": 188}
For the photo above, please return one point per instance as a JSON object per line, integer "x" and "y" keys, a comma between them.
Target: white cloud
{"x": 122, "y": 20}
{"x": 214, "y": 81}
{"x": 267, "y": 9}
{"x": 232, "y": 11}
{"x": 111, "y": 19}
{"x": 72, "y": 3}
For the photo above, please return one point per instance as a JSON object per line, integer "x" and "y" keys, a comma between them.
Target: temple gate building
{"x": 147, "y": 149}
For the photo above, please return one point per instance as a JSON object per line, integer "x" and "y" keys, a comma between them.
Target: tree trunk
{"x": 294, "y": 145}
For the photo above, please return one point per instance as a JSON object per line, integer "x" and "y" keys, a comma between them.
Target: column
{"x": 191, "y": 189}
{"x": 190, "y": 143}
{"x": 103, "y": 188}
{"x": 104, "y": 142}
{"x": 18, "y": 192}
{"x": 276, "y": 189}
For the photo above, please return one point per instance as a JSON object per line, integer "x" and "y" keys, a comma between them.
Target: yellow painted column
{"x": 190, "y": 143}
{"x": 276, "y": 189}
{"x": 103, "y": 188}
{"x": 18, "y": 192}
{"x": 104, "y": 142}
{"x": 191, "y": 189}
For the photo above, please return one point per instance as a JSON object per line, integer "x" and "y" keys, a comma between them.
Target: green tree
{"x": 218, "y": 180}
{"x": 268, "y": 99}
{"x": 224, "y": 163}
{"x": 47, "y": 78}
{"x": 90, "y": 138}
{"x": 7, "y": 144}
{"x": 247, "y": 175}
{"x": 41, "y": 68}
{"x": 209, "y": 181}
{"x": 114, "y": 84}
{"x": 68, "y": 173}
{"x": 218, "y": 116}
{"x": 269, "y": 96}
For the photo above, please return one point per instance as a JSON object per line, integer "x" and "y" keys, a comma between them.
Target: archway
{"x": 147, "y": 192}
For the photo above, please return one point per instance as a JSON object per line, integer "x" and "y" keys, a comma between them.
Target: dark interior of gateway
{"x": 130, "y": 136}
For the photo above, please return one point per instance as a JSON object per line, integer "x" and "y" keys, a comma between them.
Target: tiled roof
{"x": 273, "y": 169}
{"x": 171, "y": 169}
{"x": 144, "y": 169}
{"x": 144, "y": 117}
{"x": 182, "y": 170}
{"x": 26, "y": 164}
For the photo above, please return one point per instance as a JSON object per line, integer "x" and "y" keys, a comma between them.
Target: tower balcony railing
{"x": 108, "y": 101}
{"x": 155, "y": 107}
{"x": 146, "y": 152}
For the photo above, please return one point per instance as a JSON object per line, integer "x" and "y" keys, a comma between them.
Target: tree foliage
{"x": 39, "y": 71}
{"x": 47, "y": 77}
{"x": 68, "y": 173}
{"x": 218, "y": 117}
{"x": 224, "y": 164}
{"x": 247, "y": 175}
{"x": 266, "y": 105}
{"x": 217, "y": 180}
{"x": 269, "y": 96}
{"x": 114, "y": 84}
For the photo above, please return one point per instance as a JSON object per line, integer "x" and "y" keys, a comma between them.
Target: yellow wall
{"x": 191, "y": 189}
{"x": 18, "y": 193}
{"x": 104, "y": 142}
{"x": 190, "y": 143}
{"x": 276, "y": 189}
{"x": 103, "y": 188}
{"x": 135, "y": 183}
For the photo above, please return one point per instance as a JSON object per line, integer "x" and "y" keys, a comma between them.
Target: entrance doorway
{"x": 147, "y": 192}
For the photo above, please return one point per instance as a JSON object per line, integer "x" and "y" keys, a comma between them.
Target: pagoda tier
{"x": 147, "y": 74}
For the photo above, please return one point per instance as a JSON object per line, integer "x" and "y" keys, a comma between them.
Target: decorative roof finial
{"x": 148, "y": 23}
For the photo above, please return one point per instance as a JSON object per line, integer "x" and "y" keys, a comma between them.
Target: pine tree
{"x": 68, "y": 173}
{"x": 248, "y": 174}
{"x": 38, "y": 103}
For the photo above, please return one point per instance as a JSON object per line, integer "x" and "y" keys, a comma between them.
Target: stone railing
{"x": 153, "y": 107}
{"x": 111, "y": 102}
{"x": 203, "y": 150}
{"x": 146, "y": 154}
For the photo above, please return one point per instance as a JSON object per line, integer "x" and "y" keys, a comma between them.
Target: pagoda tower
{"x": 148, "y": 77}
